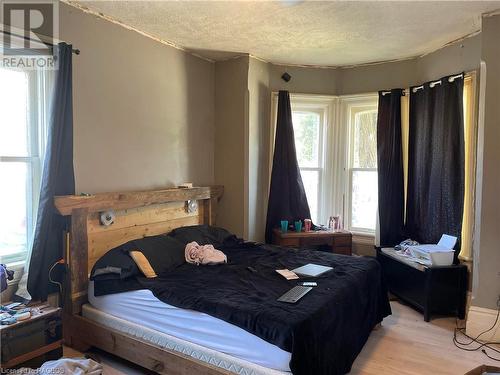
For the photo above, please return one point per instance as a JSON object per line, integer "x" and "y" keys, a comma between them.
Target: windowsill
{"x": 18, "y": 268}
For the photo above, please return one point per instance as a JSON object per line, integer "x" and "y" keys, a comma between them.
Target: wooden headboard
{"x": 137, "y": 214}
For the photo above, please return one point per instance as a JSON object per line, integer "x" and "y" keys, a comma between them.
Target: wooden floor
{"x": 405, "y": 344}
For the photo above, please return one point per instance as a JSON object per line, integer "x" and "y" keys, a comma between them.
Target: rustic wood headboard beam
{"x": 138, "y": 214}
{"x": 120, "y": 201}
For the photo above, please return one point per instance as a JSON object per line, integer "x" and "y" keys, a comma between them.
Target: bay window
{"x": 335, "y": 141}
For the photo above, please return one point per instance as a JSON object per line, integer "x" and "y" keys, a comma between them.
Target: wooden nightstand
{"x": 33, "y": 341}
{"x": 339, "y": 242}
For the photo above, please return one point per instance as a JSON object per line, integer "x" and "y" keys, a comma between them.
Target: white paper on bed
{"x": 142, "y": 307}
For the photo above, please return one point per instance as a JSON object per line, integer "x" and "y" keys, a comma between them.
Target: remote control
{"x": 309, "y": 283}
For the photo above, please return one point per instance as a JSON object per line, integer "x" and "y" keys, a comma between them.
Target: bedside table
{"x": 339, "y": 242}
{"x": 33, "y": 341}
{"x": 438, "y": 290}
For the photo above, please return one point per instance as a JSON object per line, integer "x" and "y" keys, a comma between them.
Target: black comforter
{"x": 324, "y": 331}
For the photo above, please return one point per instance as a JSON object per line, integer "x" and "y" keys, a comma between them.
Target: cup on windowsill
{"x": 284, "y": 226}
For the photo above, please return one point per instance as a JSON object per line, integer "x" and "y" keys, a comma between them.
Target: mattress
{"x": 139, "y": 313}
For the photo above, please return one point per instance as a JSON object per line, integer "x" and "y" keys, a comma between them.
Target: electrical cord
{"x": 482, "y": 345}
{"x": 490, "y": 357}
{"x": 53, "y": 281}
{"x": 486, "y": 331}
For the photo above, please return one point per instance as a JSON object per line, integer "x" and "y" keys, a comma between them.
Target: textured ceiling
{"x": 330, "y": 33}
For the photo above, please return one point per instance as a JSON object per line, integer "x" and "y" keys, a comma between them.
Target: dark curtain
{"x": 287, "y": 197}
{"x": 57, "y": 178}
{"x": 436, "y": 162}
{"x": 390, "y": 168}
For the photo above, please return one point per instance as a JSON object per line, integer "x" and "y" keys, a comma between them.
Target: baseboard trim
{"x": 480, "y": 319}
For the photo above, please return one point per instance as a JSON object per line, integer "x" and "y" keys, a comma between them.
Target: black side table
{"x": 433, "y": 290}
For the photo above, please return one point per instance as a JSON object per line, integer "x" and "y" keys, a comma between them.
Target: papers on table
{"x": 440, "y": 254}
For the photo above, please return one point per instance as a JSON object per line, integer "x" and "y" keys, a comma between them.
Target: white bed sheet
{"x": 142, "y": 307}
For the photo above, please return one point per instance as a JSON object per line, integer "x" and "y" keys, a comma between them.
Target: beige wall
{"x": 457, "y": 57}
{"x": 231, "y": 145}
{"x": 305, "y": 80}
{"x": 487, "y": 260}
{"x": 143, "y": 111}
{"x": 258, "y": 149}
{"x": 372, "y": 78}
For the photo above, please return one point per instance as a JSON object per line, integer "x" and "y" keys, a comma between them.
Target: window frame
{"x": 349, "y": 107}
{"x": 325, "y": 106}
{"x": 38, "y": 103}
{"x": 299, "y": 107}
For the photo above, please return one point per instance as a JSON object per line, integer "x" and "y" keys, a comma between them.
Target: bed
{"x": 170, "y": 328}
{"x": 196, "y": 334}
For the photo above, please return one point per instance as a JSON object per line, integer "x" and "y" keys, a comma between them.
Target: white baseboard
{"x": 480, "y": 319}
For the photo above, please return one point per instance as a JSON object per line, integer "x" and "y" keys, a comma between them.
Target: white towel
{"x": 74, "y": 366}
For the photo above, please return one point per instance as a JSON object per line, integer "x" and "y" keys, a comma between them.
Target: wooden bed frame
{"x": 138, "y": 214}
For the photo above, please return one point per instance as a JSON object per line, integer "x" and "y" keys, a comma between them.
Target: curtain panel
{"x": 57, "y": 178}
{"x": 435, "y": 198}
{"x": 287, "y": 197}
{"x": 390, "y": 168}
{"x": 470, "y": 129}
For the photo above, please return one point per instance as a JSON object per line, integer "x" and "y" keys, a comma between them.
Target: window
{"x": 311, "y": 116}
{"x": 23, "y": 115}
{"x": 335, "y": 140}
{"x": 308, "y": 129}
{"x": 336, "y": 143}
{"x": 362, "y": 184}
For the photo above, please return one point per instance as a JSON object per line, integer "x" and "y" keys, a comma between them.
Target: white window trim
{"x": 336, "y": 184}
{"x": 347, "y": 103}
{"x": 39, "y": 85}
{"x": 327, "y": 105}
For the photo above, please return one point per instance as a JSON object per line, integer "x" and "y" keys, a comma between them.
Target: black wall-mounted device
{"x": 286, "y": 77}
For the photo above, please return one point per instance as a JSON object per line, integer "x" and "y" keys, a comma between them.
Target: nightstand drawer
{"x": 336, "y": 242}
{"x": 315, "y": 241}
{"x": 32, "y": 338}
{"x": 289, "y": 242}
{"x": 343, "y": 240}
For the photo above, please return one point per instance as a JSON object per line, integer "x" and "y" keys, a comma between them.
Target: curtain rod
{"x": 432, "y": 83}
{"x": 438, "y": 82}
{"x": 74, "y": 50}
